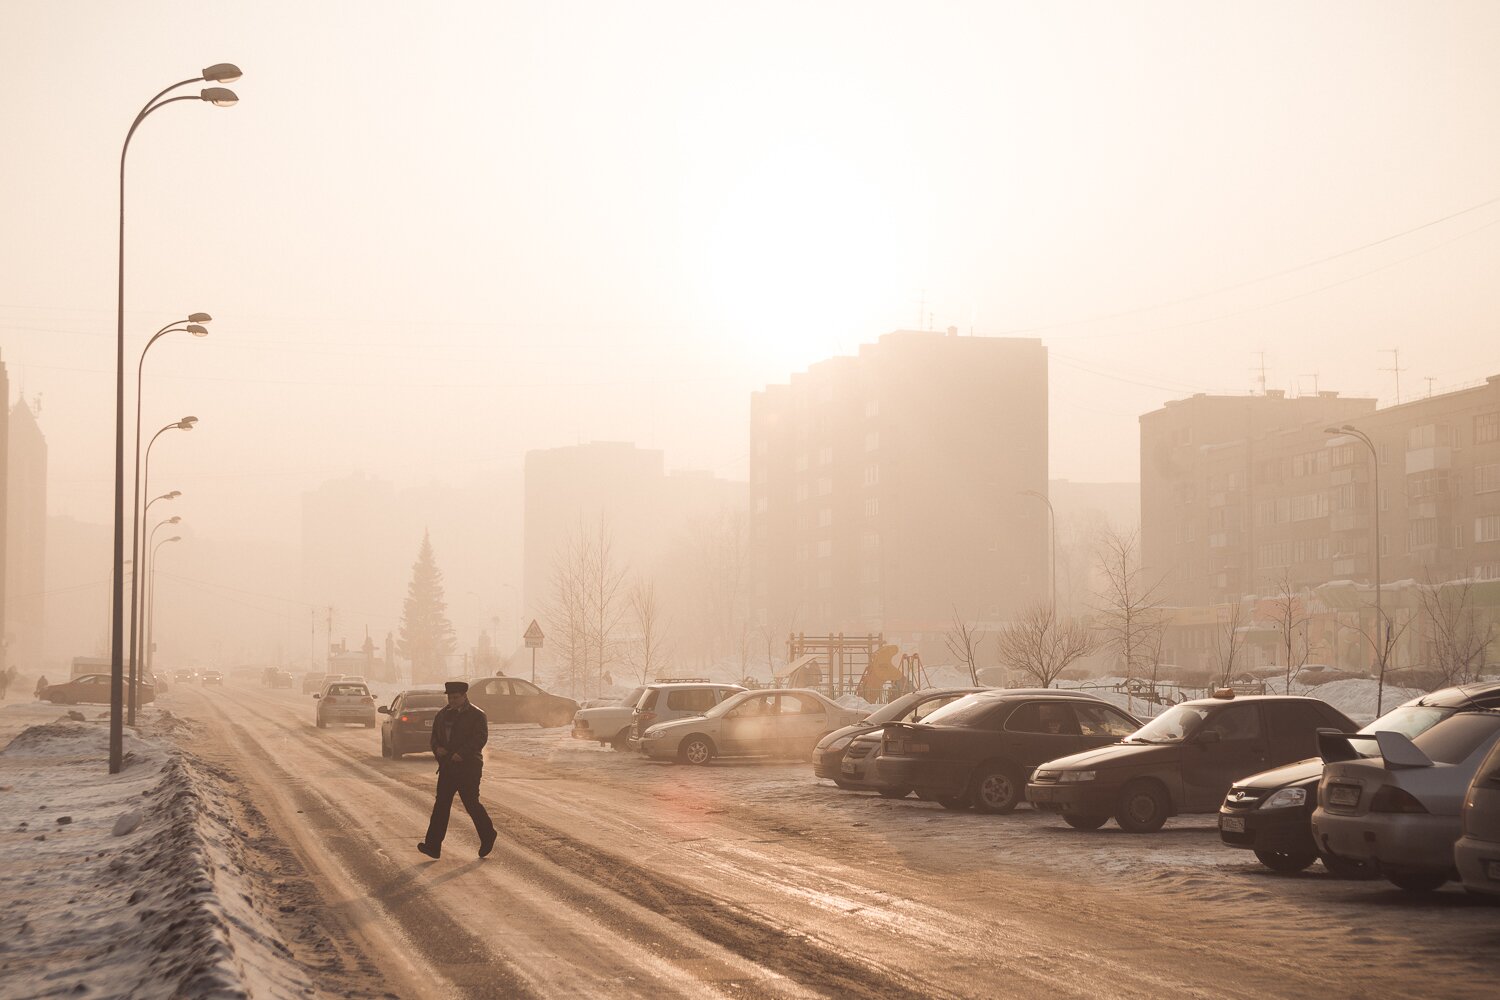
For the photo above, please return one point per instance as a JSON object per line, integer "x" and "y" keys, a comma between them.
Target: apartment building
{"x": 888, "y": 488}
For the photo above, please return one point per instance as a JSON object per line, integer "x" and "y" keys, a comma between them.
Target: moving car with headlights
{"x": 669, "y": 700}
{"x": 345, "y": 701}
{"x": 978, "y": 750}
{"x": 215, "y": 677}
{"x": 1182, "y": 761}
{"x": 1398, "y": 813}
{"x": 91, "y": 689}
{"x": 1271, "y": 813}
{"x": 852, "y": 765}
{"x": 407, "y": 726}
{"x": 510, "y": 700}
{"x": 608, "y": 725}
{"x": 1477, "y": 853}
{"x": 776, "y": 722}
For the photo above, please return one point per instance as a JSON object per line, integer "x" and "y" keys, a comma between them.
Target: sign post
{"x": 534, "y": 639}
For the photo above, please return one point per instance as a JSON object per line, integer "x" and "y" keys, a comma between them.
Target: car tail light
{"x": 1390, "y": 799}
{"x": 645, "y": 718}
{"x": 405, "y": 718}
{"x": 368, "y": 699}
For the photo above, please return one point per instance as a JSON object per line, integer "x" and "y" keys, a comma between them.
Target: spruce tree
{"x": 426, "y": 634}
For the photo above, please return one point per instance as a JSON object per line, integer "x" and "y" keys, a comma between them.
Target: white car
{"x": 782, "y": 722}
{"x": 608, "y": 724}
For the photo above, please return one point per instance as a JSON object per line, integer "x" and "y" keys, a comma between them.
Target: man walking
{"x": 459, "y": 734}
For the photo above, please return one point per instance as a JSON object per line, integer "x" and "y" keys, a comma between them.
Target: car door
{"x": 1039, "y": 731}
{"x": 1101, "y": 725}
{"x": 746, "y": 728}
{"x": 1293, "y": 731}
{"x": 95, "y": 689}
{"x": 492, "y": 696}
{"x": 1230, "y": 744}
{"x": 528, "y": 702}
{"x": 800, "y": 719}
{"x": 387, "y": 728}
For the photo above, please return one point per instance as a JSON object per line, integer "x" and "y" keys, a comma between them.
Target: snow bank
{"x": 130, "y": 884}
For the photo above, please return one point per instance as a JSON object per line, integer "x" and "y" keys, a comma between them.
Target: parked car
{"x": 91, "y": 689}
{"x": 508, "y": 700}
{"x": 1182, "y": 761}
{"x": 779, "y": 722}
{"x": 977, "y": 751}
{"x": 207, "y": 677}
{"x": 345, "y": 701}
{"x": 669, "y": 700}
{"x": 407, "y": 726}
{"x": 1399, "y": 812}
{"x": 1476, "y": 855}
{"x": 608, "y": 725}
{"x": 1270, "y": 813}
{"x": 845, "y": 758}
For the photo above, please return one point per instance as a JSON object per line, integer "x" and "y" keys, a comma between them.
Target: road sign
{"x": 534, "y": 635}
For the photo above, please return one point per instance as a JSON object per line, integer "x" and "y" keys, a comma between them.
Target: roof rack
{"x": 681, "y": 680}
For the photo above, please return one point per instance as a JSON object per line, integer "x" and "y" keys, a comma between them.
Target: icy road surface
{"x": 618, "y": 877}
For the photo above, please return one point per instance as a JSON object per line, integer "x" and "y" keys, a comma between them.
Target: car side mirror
{"x": 316, "y": 697}
{"x": 384, "y": 710}
{"x": 1210, "y": 736}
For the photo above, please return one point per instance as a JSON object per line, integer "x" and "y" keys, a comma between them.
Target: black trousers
{"x": 461, "y": 780}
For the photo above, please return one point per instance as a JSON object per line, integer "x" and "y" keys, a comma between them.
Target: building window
{"x": 825, "y": 549}
{"x": 1385, "y": 548}
{"x": 802, "y": 462}
{"x": 1487, "y": 528}
{"x": 872, "y": 475}
{"x": 825, "y": 485}
{"x": 1385, "y": 499}
{"x": 1487, "y": 427}
{"x": 801, "y": 492}
{"x": 872, "y": 408}
{"x": 825, "y": 455}
{"x": 1385, "y": 454}
{"x": 1487, "y": 478}
{"x": 872, "y": 440}
{"x": 872, "y": 508}
{"x": 1458, "y": 536}
{"x": 825, "y": 516}
{"x": 760, "y": 505}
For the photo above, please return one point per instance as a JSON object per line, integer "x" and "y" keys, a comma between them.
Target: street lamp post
{"x": 146, "y": 565}
{"x": 1052, "y": 525}
{"x": 1380, "y": 629}
{"x": 138, "y": 581}
{"x": 219, "y": 97}
{"x": 151, "y": 600}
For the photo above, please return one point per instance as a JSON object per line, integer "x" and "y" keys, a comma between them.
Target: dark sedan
{"x": 829, "y": 754}
{"x": 407, "y": 726}
{"x": 1271, "y": 813}
{"x": 512, "y": 700}
{"x": 978, "y": 750}
{"x": 90, "y": 689}
{"x": 1182, "y": 761}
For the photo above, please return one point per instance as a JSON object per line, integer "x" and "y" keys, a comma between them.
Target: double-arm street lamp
{"x": 219, "y": 97}
{"x": 139, "y": 582}
{"x": 1052, "y": 525}
{"x": 151, "y": 615}
{"x": 1380, "y": 629}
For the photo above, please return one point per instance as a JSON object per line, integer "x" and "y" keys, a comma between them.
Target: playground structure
{"x": 863, "y": 665}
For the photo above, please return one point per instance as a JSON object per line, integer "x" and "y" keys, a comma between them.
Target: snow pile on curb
{"x": 130, "y": 884}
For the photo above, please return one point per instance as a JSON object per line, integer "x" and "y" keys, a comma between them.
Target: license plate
{"x": 1343, "y": 795}
{"x": 1233, "y": 824}
{"x": 427, "y": 724}
{"x": 847, "y": 767}
{"x": 1492, "y": 870}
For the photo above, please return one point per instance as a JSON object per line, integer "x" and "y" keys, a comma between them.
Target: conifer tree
{"x": 426, "y": 634}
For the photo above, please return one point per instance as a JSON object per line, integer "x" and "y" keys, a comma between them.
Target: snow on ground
{"x": 124, "y": 885}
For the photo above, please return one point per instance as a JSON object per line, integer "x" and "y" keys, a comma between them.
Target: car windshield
{"x": 963, "y": 712}
{"x": 1408, "y": 720}
{"x": 896, "y": 709}
{"x": 730, "y": 704}
{"x": 1174, "y": 725}
{"x": 629, "y": 701}
{"x": 433, "y": 700}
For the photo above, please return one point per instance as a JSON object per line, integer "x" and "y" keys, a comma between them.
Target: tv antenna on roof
{"x": 1395, "y": 368}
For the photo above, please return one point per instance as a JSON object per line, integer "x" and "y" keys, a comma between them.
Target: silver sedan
{"x": 781, "y": 722}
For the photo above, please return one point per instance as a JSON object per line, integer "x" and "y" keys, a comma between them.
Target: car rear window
{"x": 690, "y": 700}
{"x": 964, "y": 712}
{"x": 424, "y": 701}
{"x": 648, "y": 700}
{"x": 348, "y": 689}
{"x": 1455, "y": 739}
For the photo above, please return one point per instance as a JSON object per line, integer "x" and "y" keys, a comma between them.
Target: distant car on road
{"x": 407, "y": 726}
{"x": 665, "y": 701}
{"x": 1477, "y": 853}
{"x": 273, "y": 677}
{"x": 211, "y": 677}
{"x": 778, "y": 722}
{"x": 608, "y": 725}
{"x": 512, "y": 700}
{"x": 313, "y": 683}
{"x": 848, "y": 760}
{"x": 184, "y": 676}
{"x": 345, "y": 701}
{"x": 90, "y": 689}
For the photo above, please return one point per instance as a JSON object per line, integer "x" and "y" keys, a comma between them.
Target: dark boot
{"x": 431, "y": 852}
{"x": 487, "y": 844}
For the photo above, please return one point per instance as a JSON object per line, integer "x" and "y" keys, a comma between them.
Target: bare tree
{"x": 567, "y": 608}
{"x": 1382, "y": 642}
{"x": 650, "y": 647}
{"x": 606, "y": 603}
{"x": 1289, "y": 617}
{"x": 1229, "y": 642}
{"x": 1457, "y": 638}
{"x": 1040, "y": 645}
{"x": 963, "y": 642}
{"x": 1129, "y": 612}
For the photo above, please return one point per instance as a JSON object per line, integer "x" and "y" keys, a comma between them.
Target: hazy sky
{"x": 436, "y": 235}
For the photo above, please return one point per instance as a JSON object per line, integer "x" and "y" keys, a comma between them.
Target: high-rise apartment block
{"x": 26, "y": 537}
{"x": 888, "y": 488}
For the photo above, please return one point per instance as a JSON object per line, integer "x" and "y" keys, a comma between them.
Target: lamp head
{"x": 175, "y": 519}
{"x": 186, "y": 423}
{"x": 174, "y": 494}
{"x": 1332, "y": 430}
{"x": 175, "y": 538}
{"x": 219, "y": 97}
{"x": 196, "y": 330}
{"x": 199, "y": 318}
{"x": 222, "y": 73}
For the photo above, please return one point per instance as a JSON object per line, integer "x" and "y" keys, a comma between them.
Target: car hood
{"x": 672, "y": 724}
{"x": 1302, "y": 772}
{"x": 855, "y": 729}
{"x": 1116, "y": 755}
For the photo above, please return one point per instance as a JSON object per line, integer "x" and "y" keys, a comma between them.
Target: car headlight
{"x": 653, "y": 734}
{"x": 1285, "y": 799}
{"x": 1077, "y": 776}
{"x": 840, "y": 743}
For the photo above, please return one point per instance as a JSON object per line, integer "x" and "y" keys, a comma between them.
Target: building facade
{"x": 887, "y": 489}
{"x": 26, "y": 539}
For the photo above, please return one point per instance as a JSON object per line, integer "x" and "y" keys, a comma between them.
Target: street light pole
{"x": 1380, "y": 629}
{"x": 1052, "y": 525}
{"x": 138, "y": 581}
{"x": 219, "y": 97}
{"x": 151, "y": 614}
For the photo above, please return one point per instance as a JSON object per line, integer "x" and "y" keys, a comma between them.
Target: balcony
{"x": 1427, "y": 459}
{"x": 1350, "y": 520}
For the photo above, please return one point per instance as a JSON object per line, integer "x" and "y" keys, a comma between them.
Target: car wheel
{"x": 1286, "y": 861}
{"x": 696, "y": 750}
{"x": 843, "y": 784}
{"x": 1085, "y": 822}
{"x": 621, "y": 742}
{"x": 1143, "y": 807}
{"x": 1416, "y": 881}
{"x": 1340, "y": 867}
{"x": 893, "y": 793}
{"x": 995, "y": 790}
{"x": 954, "y": 803}
{"x": 321, "y": 723}
{"x": 385, "y": 748}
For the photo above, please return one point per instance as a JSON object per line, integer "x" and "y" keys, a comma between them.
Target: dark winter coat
{"x": 461, "y": 730}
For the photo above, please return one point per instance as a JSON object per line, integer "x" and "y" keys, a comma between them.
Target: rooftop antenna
{"x": 1429, "y": 379}
{"x": 1260, "y": 372}
{"x": 1314, "y": 377}
{"x": 922, "y": 311}
{"x": 1395, "y": 369}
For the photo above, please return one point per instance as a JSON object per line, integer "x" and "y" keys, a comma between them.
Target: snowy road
{"x": 618, "y": 877}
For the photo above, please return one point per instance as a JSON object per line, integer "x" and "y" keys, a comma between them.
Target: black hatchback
{"x": 407, "y": 726}
{"x": 978, "y": 750}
